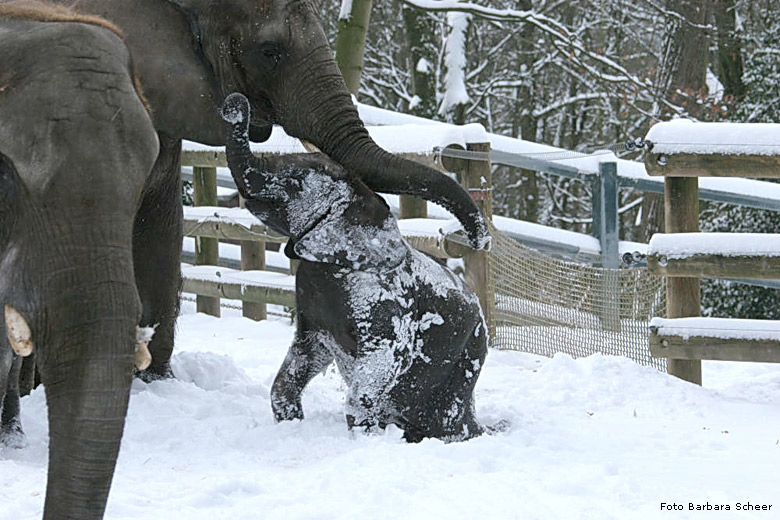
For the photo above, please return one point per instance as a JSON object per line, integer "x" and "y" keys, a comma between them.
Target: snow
{"x": 599, "y": 437}
{"x": 721, "y": 328}
{"x": 211, "y": 273}
{"x": 683, "y": 245}
{"x": 455, "y": 92}
{"x": 685, "y": 136}
{"x": 346, "y": 10}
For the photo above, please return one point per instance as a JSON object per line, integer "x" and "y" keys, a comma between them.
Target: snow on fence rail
{"x": 683, "y": 255}
{"x": 722, "y": 255}
{"x": 683, "y": 148}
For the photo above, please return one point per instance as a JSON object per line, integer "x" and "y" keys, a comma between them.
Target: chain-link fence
{"x": 545, "y": 305}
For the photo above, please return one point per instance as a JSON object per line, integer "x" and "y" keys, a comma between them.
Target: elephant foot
{"x": 285, "y": 409}
{"x": 368, "y": 425}
{"x": 498, "y": 427}
{"x": 12, "y": 436}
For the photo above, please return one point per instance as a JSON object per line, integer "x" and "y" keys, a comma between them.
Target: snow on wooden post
{"x": 478, "y": 181}
{"x": 253, "y": 259}
{"x": 204, "y": 182}
{"x": 683, "y": 298}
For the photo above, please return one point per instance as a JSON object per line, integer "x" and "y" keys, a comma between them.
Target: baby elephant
{"x": 407, "y": 335}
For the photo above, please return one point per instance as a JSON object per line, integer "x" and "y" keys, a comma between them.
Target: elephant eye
{"x": 266, "y": 56}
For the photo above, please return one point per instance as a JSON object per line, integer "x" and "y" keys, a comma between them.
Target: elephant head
{"x": 190, "y": 54}
{"x": 330, "y": 215}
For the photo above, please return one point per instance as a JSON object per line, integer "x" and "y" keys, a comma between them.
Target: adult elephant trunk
{"x": 319, "y": 108}
{"x": 83, "y": 310}
{"x": 87, "y": 400}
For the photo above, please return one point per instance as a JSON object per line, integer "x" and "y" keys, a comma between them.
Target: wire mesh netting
{"x": 545, "y": 305}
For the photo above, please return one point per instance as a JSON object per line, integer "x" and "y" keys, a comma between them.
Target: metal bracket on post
{"x": 605, "y": 214}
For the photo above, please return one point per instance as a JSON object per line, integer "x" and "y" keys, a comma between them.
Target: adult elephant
{"x": 187, "y": 54}
{"x": 77, "y": 146}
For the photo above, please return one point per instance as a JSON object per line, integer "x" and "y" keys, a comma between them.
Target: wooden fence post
{"x": 413, "y": 207}
{"x": 477, "y": 178}
{"x": 683, "y": 297}
{"x": 204, "y": 182}
{"x": 253, "y": 259}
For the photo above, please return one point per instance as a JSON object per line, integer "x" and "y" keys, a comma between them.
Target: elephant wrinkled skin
{"x": 407, "y": 334}
{"x": 90, "y": 213}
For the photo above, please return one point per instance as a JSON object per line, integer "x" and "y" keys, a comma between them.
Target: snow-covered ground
{"x": 593, "y": 438}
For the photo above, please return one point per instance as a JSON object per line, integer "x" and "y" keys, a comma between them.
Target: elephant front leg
{"x": 306, "y": 358}
{"x": 157, "y": 243}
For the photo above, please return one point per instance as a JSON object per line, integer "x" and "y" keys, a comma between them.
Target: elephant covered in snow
{"x": 407, "y": 334}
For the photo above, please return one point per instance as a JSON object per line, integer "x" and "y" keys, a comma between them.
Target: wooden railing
{"x": 682, "y": 337}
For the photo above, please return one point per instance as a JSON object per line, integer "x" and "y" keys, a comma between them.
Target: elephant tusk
{"x": 142, "y": 357}
{"x": 309, "y": 147}
{"x": 18, "y": 332}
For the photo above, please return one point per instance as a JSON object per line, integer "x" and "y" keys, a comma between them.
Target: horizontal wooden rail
{"x": 713, "y": 165}
{"x": 223, "y": 229}
{"x": 217, "y": 158}
{"x": 718, "y": 339}
{"x": 231, "y": 223}
{"x": 715, "y": 266}
{"x": 248, "y": 286}
{"x": 721, "y": 255}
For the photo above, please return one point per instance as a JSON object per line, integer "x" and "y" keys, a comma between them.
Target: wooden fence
{"x": 256, "y": 286}
{"x": 684, "y": 338}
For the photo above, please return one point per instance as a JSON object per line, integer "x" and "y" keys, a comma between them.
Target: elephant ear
{"x": 349, "y": 239}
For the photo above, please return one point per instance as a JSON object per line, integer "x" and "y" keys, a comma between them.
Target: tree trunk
{"x": 351, "y": 41}
{"x": 729, "y": 49}
{"x": 525, "y": 123}
{"x": 420, "y": 33}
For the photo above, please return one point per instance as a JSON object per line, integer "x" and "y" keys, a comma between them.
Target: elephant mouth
{"x": 316, "y": 222}
{"x": 260, "y": 133}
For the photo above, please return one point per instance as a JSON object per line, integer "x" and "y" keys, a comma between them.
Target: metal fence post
{"x": 204, "y": 182}
{"x": 605, "y": 214}
{"x": 606, "y": 229}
